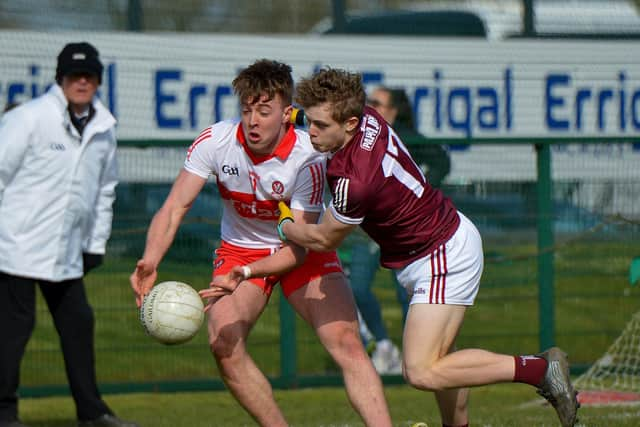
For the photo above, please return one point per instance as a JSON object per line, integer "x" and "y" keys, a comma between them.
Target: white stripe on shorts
{"x": 438, "y": 274}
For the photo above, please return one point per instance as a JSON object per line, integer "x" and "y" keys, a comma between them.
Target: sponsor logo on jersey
{"x": 230, "y": 170}
{"x": 248, "y": 206}
{"x": 259, "y": 210}
{"x": 370, "y": 130}
{"x": 56, "y": 146}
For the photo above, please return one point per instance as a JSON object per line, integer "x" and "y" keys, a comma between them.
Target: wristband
{"x": 282, "y": 222}
{"x": 285, "y": 216}
{"x": 246, "y": 272}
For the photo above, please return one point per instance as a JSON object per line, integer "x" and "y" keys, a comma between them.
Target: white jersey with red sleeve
{"x": 251, "y": 186}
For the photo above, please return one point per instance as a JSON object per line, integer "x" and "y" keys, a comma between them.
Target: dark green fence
{"x": 557, "y": 265}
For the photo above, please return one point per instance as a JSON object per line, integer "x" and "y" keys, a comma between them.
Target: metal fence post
{"x": 288, "y": 350}
{"x": 339, "y": 16}
{"x": 546, "y": 303}
{"x": 134, "y": 16}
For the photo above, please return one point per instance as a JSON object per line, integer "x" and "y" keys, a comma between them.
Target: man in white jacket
{"x": 57, "y": 187}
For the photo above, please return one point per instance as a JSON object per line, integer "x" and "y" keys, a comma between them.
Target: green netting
{"x": 596, "y": 227}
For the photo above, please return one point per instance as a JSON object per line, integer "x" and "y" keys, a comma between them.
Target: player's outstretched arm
{"x": 285, "y": 259}
{"x": 163, "y": 229}
{"x": 322, "y": 237}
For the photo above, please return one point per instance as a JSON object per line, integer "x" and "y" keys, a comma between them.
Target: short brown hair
{"x": 344, "y": 90}
{"x": 264, "y": 77}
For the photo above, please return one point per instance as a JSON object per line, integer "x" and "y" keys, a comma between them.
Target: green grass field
{"x": 593, "y": 302}
{"x": 500, "y": 405}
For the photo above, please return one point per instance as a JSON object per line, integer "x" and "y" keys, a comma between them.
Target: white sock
{"x": 384, "y": 344}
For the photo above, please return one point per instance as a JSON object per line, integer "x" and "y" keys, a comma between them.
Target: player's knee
{"x": 223, "y": 343}
{"x": 347, "y": 345}
{"x": 350, "y": 341}
{"x": 422, "y": 377}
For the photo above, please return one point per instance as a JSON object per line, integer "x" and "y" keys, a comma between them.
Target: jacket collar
{"x": 101, "y": 122}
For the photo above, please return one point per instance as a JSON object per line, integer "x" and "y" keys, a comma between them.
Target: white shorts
{"x": 451, "y": 273}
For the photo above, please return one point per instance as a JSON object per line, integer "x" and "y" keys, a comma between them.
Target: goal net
{"x": 615, "y": 377}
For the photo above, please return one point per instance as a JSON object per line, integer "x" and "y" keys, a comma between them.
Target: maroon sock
{"x": 529, "y": 370}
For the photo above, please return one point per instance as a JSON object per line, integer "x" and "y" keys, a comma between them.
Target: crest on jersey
{"x": 277, "y": 188}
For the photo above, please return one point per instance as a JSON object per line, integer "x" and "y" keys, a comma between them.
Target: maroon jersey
{"x": 375, "y": 183}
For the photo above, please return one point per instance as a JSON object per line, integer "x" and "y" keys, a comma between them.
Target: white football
{"x": 172, "y": 312}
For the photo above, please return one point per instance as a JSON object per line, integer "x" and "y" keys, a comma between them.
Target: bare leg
{"x": 230, "y": 320}
{"x": 453, "y": 406}
{"x": 453, "y": 403}
{"x": 430, "y": 366}
{"x": 327, "y": 305}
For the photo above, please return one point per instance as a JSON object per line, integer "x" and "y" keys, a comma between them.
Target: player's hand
{"x": 211, "y": 295}
{"x": 285, "y": 216}
{"x": 219, "y": 287}
{"x": 222, "y": 285}
{"x": 142, "y": 279}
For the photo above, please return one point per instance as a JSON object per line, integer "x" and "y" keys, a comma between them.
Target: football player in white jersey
{"x": 257, "y": 163}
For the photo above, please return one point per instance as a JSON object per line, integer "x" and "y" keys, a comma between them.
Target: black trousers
{"x": 74, "y": 321}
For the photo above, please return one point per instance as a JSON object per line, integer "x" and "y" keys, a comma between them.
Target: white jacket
{"x": 56, "y": 189}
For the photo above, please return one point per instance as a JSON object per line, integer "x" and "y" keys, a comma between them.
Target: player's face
{"x": 264, "y": 122}
{"x": 326, "y": 134}
{"x": 79, "y": 89}
{"x": 381, "y": 100}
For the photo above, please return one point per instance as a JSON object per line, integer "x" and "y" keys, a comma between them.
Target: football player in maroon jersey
{"x": 434, "y": 250}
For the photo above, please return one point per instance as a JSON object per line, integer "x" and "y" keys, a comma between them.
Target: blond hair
{"x": 342, "y": 89}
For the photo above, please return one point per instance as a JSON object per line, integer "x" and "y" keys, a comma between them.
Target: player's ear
{"x": 351, "y": 124}
{"x": 286, "y": 115}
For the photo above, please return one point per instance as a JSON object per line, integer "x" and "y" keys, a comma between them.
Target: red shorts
{"x": 317, "y": 264}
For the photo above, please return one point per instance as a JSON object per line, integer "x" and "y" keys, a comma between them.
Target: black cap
{"x": 78, "y": 58}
